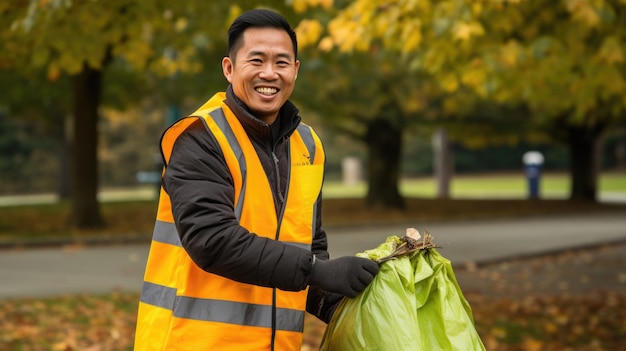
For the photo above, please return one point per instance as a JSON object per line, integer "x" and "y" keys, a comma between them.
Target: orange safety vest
{"x": 183, "y": 307}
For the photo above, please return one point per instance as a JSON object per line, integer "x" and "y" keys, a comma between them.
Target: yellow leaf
{"x": 346, "y": 34}
{"x": 233, "y": 13}
{"x": 550, "y": 327}
{"x": 181, "y": 24}
{"x": 308, "y": 32}
{"x": 411, "y": 36}
{"x": 62, "y": 346}
{"x": 474, "y": 76}
{"x": 326, "y": 44}
{"x": 326, "y": 4}
{"x": 582, "y": 11}
{"x": 510, "y": 52}
{"x": 531, "y": 344}
{"x": 449, "y": 83}
{"x": 611, "y": 51}
{"x": 299, "y": 5}
{"x": 464, "y": 31}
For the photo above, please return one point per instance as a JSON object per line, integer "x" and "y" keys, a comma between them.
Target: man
{"x": 238, "y": 252}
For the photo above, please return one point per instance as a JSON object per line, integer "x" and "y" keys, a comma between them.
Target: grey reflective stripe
{"x": 220, "y": 119}
{"x": 158, "y": 295}
{"x": 307, "y": 137}
{"x": 221, "y": 311}
{"x": 165, "y": 232}
{"x": 309, "y": 143}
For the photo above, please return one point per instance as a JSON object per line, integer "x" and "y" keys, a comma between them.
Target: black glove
{"x": 347, "y": 275}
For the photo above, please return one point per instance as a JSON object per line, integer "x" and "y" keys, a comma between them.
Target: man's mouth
{"x": 266, "y": 90}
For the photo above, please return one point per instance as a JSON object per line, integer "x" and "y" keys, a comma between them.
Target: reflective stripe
{"x": 220, "y": 119}
{"x": 165, "y": 232}
{"x": 309, "y": 143}
{"x": 221, "y": 311}
{"x": 307, "y": 138}
{"x": 158, "y": 295}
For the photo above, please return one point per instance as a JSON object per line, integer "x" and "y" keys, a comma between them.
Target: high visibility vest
{"x": 183, "y": 307}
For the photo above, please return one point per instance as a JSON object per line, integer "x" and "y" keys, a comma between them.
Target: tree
{"x": 562, "y": 61}
{"x": 380, "y": 96}
{"x": 369, "y": 97}
{"x": 42, "y": 107}
{"x": 81, "y": 38}
{"x": 571, "y": 57}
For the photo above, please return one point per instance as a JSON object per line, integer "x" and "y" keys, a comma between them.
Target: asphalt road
{"x": 39, "y": 272}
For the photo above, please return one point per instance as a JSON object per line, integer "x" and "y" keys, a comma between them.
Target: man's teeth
{"x": 267, "y": 91}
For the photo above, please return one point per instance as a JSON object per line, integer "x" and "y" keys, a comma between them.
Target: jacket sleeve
{"x": 201, "y": 191}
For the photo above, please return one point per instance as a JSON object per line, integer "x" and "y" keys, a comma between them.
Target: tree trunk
{"x": 384, "y": 144}
{"x": 84, "y": 194}
{"x": 584, "y": 164}
{"x": 443, "y": 163}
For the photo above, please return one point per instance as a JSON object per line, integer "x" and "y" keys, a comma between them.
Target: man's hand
{"x": 347, "y": 275}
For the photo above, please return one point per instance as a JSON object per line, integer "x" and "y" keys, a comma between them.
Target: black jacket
{"x": 202, "y": 192}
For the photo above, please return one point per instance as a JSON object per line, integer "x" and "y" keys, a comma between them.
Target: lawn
{"x": 514, "y": 186}
{"x": 129, "y": 213}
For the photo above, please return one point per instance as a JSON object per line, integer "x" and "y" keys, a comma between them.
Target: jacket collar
{"x": 287, "y": 121}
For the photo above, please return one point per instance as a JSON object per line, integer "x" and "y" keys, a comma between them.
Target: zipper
{"x": 273, "y": 343}
{"x": 281, "y": 198}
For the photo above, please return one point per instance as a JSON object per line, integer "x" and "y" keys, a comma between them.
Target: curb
{"x": 82, "y": 241}
{"x": 529, "y": 256}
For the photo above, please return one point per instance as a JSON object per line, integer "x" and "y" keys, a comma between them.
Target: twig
{"x": 408, "y": 246}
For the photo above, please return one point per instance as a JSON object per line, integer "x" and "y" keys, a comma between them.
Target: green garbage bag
{"x": 414, "y": 303}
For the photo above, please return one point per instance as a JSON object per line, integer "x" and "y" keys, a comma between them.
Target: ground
{"x": 572, "y": 300}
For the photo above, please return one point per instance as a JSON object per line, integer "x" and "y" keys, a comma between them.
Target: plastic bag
{"x": 414, "y": 303}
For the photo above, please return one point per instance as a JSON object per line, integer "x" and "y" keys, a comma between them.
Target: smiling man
{"x": 262, "y": 69}
{"x": 238, "y": 252}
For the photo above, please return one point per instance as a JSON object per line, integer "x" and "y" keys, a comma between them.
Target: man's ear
{"x": 227, "y": 68}
{"x": 297, "y": 68}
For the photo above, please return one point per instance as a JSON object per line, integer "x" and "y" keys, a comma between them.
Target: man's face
{"x": 263, "y": 71}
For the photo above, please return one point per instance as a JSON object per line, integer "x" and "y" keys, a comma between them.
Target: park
{"x": 427, "y": 111}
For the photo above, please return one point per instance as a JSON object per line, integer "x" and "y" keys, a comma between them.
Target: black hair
{"x": 259, "y": 18}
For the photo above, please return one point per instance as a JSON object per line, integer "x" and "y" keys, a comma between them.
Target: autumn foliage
{"x": 506, "y": 318}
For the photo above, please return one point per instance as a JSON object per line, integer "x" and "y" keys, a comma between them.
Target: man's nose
{"x": 268, "y": 71}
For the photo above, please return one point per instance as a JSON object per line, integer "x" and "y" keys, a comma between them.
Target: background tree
{"x": 380, "y": 96}
{"x": 42, "y": 107}
{"x": 80, "y": 39}
{"x": 369, "y": 97}
{"x": 563, "y": 61}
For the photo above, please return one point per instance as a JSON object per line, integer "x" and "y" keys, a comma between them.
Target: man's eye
{"x": 256, "y": 61}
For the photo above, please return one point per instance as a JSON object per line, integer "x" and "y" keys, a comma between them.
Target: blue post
{"x": 533, "y": 160}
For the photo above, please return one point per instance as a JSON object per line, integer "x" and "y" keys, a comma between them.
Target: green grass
{"x": 553, "y": 185}
{"x": 129, "y": 213}
{"x": 613, "y": 182}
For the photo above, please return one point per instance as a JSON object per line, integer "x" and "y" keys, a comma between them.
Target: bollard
{"x": 533, "y": 162}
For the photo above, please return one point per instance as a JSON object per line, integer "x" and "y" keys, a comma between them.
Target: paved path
{"x": 71, "y": 270}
